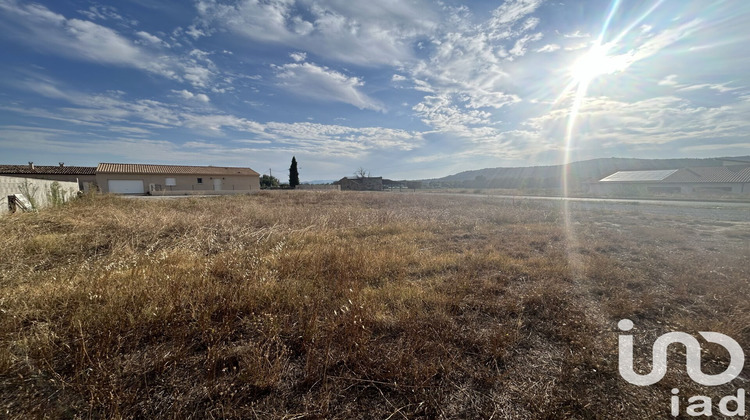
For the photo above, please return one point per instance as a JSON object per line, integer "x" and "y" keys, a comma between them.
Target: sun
{"x": 592, "y": 64}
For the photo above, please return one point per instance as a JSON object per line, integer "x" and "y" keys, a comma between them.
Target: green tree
{"x": 269, "y": 181}
{"x": 293, "y": 174}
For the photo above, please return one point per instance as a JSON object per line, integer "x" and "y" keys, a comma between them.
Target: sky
{"x": 406, "y": 89}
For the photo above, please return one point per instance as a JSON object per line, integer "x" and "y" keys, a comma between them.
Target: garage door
{"x": 125, "y": 186}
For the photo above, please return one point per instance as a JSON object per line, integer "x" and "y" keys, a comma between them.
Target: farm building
{"x": 85, "y": 176}
{"x": 730, "y": 179}
{"x": 360, "y": 183}
{"x": 126, "y": 178}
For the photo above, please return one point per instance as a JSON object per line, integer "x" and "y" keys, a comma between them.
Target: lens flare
{"x": 595, "y": 62}
{"x": 599, "y": 60}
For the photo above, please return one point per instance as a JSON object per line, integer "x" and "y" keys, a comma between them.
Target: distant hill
{"x": 578, "y": 172}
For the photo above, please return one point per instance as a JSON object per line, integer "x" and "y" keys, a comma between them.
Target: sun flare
{"x": 592, "y": 64}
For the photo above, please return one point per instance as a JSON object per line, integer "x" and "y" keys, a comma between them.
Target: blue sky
{"x": 402, "y": 88}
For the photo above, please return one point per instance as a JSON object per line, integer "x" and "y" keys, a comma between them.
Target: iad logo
{"x": 692, "y": 351}
{"x": 700, "y": 405}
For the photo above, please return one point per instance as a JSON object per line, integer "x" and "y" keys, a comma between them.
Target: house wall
{"x": 185, "y": 183}
{"x": 36, "y": 189}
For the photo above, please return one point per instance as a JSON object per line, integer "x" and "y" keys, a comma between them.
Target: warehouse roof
{"x": 639, "y": 176}
{"x": 701, "y": 174}
{"x": 712, "y": 174}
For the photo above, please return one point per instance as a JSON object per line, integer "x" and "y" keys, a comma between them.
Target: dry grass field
{"x": 344, "y": 305}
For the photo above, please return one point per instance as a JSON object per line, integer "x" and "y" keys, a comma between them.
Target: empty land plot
{"x": 347, "y": 305}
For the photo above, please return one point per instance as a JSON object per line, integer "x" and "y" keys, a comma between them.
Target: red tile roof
{"x": 46, "y": 170}
{"x": 137, "y": 168}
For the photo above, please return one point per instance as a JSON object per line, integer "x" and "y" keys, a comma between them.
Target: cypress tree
{"x": 293, "y": 174}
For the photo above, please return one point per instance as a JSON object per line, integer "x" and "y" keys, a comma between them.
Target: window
{"x": 170, "y": 182}
{"x": 200, "y": 180}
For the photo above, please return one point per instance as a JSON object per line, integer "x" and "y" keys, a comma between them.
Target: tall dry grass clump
{"x": 336, "y": 305}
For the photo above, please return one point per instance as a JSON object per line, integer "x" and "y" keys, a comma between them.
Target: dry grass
{"x": 336, "y": 305}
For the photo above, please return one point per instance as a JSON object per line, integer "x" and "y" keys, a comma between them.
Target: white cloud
{"x": 100, "y": 12}
{"x": 490, "y": 100}
{"x": 398, "y": 78}
{"x": 719, "y": 87}
{"x": 423, "y": 86}
{"x": 298, "y": 56}
{"x": 465, "y": 76}
{"x": 530, "y": 24}
{"x": 662, "y": 123}
{"x": 441, "y": 113}
{"x": 655, "y": 121}
{"x": 519, "y": 48}
{"x": 123, "y": 147}
{"x": 194, "y": 32}
{"x": 322, "y": 83}
{"x": 196, "y": 74}
{"x": 323, "y": 141}
{"x": 619, "y": 59}
{"x": 578, "y": 46}
{"x": 186, "y": 94}
{"x": 548, "y": 48}
{"x": 366, "y": 33}
{"x": 107, "y": 113}
{"x": 215, "y": 124}
{"x": 312, "y": 135}
{"x": 85, "y": 40}
{"x": 658, "y": 42}
{"x": 151, "y": 39}
{"x": 577, "y": 34}
{"x": 514, "y": 10}
{"x": 716, "y": 146}
{"x": 670, "y": 80}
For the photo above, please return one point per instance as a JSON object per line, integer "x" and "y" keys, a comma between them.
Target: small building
{"x": 731, "y": 179}
{"x": 366, "y": 183}
{"x": 131, "y": 178}
{"x": 85, "y": 176}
